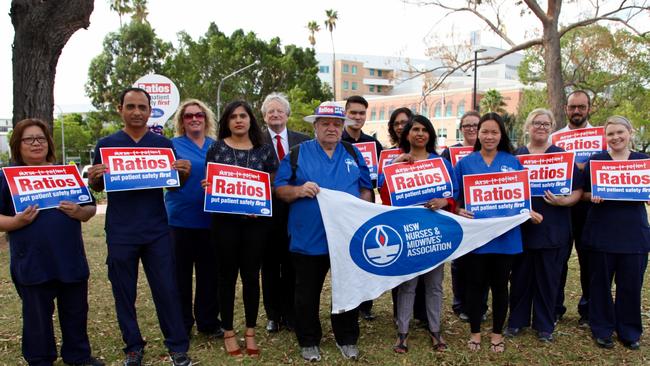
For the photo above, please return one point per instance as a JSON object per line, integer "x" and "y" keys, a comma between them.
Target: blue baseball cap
{"x": 328, "y": 110}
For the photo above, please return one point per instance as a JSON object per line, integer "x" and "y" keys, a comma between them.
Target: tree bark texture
{"x": 553, "y": 63}
{"x": 42, "y": 28}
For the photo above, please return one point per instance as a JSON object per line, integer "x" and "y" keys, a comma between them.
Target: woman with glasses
{"x": 190, "y": 226}
{"x": 48, "y": 260}
{"x": 536, "y": 273}
{"x": 489, "y": 266}
{"x": 398, "y": 119}
{"x": 617, "y": 236}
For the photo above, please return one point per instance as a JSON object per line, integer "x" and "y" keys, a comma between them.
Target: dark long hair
{"x": 391, "y": 123}
{"x": 504, "y": 142}
{"x": 17, "y": 137}
{"x": 254, "y": 131}
{"x": 404, "y": 143}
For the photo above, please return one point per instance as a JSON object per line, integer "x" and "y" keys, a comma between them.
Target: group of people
{"x": 177, "y": 242}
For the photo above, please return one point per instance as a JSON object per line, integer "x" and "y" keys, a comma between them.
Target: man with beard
{"x": 577, "y": 110}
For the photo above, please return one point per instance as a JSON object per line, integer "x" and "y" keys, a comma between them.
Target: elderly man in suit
{"x": 277, "y": 271}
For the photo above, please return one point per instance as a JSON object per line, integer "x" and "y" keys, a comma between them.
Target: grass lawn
{"x": 572, "y": 346}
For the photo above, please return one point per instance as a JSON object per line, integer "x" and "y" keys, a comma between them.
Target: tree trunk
{"x": 42, "y": 28}
{"x": 333, "y": 67}
{"x": 553, "y": 69}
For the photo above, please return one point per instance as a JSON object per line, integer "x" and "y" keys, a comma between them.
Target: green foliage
{"x": 128, "y": 54}
{"x": 77, "y": 138}
{"x": 530, "y": 99}
{"x": 301, "y": 106}
{"x": 492, "y": 101}
{"x": 5, "y": 158}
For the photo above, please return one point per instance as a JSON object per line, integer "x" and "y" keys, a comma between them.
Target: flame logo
{"x": 381, "y": 236}
{"x": 385, "y": 248}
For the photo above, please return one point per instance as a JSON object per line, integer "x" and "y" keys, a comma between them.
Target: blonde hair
{"x": 536, "y": 112}
{"x": 619, "y": 120}
{"x": 210, "y": 124}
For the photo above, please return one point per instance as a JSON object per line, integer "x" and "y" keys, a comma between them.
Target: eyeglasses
{"x": 401, "y": 123}
{"x": 191, "y": 116}
{"x": 469, "y": 127}
{"x": 542, "y": 124}
{"x": 30, "y": 140}
{"x": 580, "y": 107}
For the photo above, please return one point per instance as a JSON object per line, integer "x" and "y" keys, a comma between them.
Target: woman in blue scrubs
{"x": 48, "y": 260}
{"x": 536, "y": 272}
{"x": 618, "y": 237}
{"x": 489, "y": 265}
{"x": 196, "y": 254}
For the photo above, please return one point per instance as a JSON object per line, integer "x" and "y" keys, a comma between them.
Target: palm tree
{"x": 330, "y": 24}
{"x": 121, "y": 7}
{"x": 492, "y": 101}
{"x": 313, "y": 27}
{"x": 140, "y": 11}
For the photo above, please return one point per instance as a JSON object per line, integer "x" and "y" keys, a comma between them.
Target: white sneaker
{"x": 349, "y": 351}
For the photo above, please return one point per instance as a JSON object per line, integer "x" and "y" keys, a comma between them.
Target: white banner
{"x": 374, "y": 248}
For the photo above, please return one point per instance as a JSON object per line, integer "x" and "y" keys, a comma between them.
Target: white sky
{"x": 371, "y": 27}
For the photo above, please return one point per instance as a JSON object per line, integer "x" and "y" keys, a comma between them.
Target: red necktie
{"x": 279, "y": 147}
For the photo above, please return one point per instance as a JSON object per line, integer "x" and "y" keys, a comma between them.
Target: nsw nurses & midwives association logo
{"x": 382, "y": 245}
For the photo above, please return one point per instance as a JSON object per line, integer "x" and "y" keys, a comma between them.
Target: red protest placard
{"x": 412, "y": 184}
{"x": 584, "y": 142}
{"x": 458, "y": 152}
{"x": 131, "y": 168}
{"x": 236, "y": 190}
{"x": 369, "y": 152}
{"x": 627, "y": 180}
{"x": 386, "y": 157}
{"x": 549, "y": 172}
{"x": 497, "y": 194}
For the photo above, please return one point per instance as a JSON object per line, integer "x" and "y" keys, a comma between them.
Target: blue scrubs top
{"x": 555, "y": 230}
{"x": 50, "y": 248}
{"x": 509, "y": 242}
{"x": 340, "y": 172}
{"x": 616, "y": 226}
{"x": 185, "y": 204}
{"x": 138, "y": 216}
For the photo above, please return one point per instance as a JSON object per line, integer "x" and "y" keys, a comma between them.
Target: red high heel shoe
{"x": 253, "y": 352}
{"x": 235, "y": 353}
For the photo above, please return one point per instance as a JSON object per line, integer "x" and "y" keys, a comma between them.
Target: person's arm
{"x": 289, "y": 193}
{"x": 96, "y": 177}
{"x": 567, "y": 201}
{"x": 184, "y": 168}
{"x": 366, "y": 194}
{"x": 77, "y": 212}
{"x": 11, "y": 223}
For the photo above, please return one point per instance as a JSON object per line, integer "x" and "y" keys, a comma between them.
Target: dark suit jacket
{"x": 294, "y": 137}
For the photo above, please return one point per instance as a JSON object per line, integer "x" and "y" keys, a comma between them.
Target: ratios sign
{"x": 627, "y": 180}
{"x": 138, "y": 168}
{"x": 497, "y": 194}
{"x": 458, "y": 152}
{"x": 584, "y": 142}
{"x": 386, "y": 156}
{"x": 45, "y": 186}
{"x": 369, "y": 152}
{"x": 235, "y": 190}
{"x": 549, "y": 172}
{"x": 164, "y": 98}
{"x": 416, "y": 183}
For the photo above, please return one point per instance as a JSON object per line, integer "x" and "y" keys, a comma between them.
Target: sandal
{"x": 253, "y": 352}
{"x": 235, "y": 352}
{"x": 401, "y": 347}
{"x": 474, "y": 346}
{"x": 438, "y": 344}
{"x": 499, "y": 347}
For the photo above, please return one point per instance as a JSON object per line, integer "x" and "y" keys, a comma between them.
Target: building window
{"x": 378, "y": 72}
{"x": 437, "y": 110}
{"x": 414, "y": 109}
{"x": 345, "y": 85}
{"x": 372, "y": 72}
{"x": 448, "y": 110}
{"x": 355, "y": 86}
{"x": 354, "y": 69}
{"x": 373, "y": 114}
{"x": 378, "y": 88}
{"x": 458, "y": 137}
{"x": 442, "y": 132}
{"x": 371, "y": 88}
{"x": 346, "y": 68}
{"x": 381, "y": 114}
{"x": 460, "y": 110}
{"x": 324, "y": 69}
{"x": 425, "y": 110}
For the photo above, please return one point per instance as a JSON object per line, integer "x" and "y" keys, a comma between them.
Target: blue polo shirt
{"x": 616, "y": 226}
{"x": 340, "y": 172}
{"x": 139, "y": 216}
{"x": 509, "y": 242}
{"x": 555, "y": 230}
{"x": 185, "y": 204}
{"x": 50, "y": 248}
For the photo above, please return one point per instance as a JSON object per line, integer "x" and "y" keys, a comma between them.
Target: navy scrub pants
{"x": 38, "y": 344}
{"x": 534, "y": 283}
{"x": 624, "y": 314}
{"x": 159, "y": 266}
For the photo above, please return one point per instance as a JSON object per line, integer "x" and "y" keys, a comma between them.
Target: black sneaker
{"x": 180, "y": 359}
{"x": 91, "y": 361}
{"x": 605, "y": 342}
{"x": 367, "y": 315}
{"x": 583, "y": 322}
{"x": 134, "y": 358}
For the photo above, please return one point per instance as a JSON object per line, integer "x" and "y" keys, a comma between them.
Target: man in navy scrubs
{"x": 325, "y": 162}
{"x": 136, "y": 229}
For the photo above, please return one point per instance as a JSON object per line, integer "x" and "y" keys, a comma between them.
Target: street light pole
{"x": 474, "y": 90}
{"x": 62, "y": 133}
{"x": 224, "y": 79}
